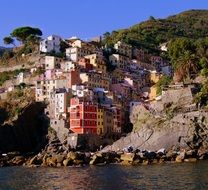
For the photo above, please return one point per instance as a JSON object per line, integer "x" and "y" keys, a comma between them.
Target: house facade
{"x": 83, "y": 116}
{"x": 50, "y": 44}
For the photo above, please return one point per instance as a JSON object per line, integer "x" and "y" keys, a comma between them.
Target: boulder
{"x": 111, "y": 157}
{"x": 171, "y": 155}
{"x": 72, "y": 155}
{"x": 67, "y": 162}
{"x": 50, "y": 161}
{"x": 44, "y": 161}
{"x": 191, "y": 153}
{"x": 97, "y": 159}
{"x": 35, "y": 161}
{"x": 126, "y": 163}
{"x": 190, "y": 160}
{"x": 202, "y": 153}
{"x": 130, "y": 157}
{"x": 59, "y": 158}
{"x": 18, "y": 160}
{"x": 150, "y": 155}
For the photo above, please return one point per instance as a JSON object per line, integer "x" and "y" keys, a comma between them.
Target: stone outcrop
{"x": 187, "y": 130}
{"x": 25, "y": 133}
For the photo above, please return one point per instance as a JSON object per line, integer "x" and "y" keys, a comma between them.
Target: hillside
{"x": 149, "y": 34}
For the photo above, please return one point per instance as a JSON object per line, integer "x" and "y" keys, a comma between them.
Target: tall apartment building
{"x": 83, "y": 116}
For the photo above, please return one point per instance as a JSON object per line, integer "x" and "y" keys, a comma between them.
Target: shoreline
{"x": 82, "y": 159}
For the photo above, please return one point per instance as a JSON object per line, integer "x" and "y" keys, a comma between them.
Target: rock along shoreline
{"x": 74, "y": 158}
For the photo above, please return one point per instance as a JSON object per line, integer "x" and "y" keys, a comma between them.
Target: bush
{"x": 202, "y": 97}
{"x": 164, "y": 81}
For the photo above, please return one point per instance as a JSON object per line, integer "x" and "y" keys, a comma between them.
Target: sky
{"x": 86, "y": 18}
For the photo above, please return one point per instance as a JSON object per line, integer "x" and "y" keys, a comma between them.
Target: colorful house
{"x": 83, "y": 116}
{"x": 100, "y": 121}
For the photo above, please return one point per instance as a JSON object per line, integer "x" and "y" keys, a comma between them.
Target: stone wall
{"x": 84, "y": 142}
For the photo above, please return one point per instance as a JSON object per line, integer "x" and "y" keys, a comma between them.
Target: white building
{"x": 81, "y": 91}
{"x": 45, "y": 88}
{"x": 20, "y": 78}
{"x": 51, "y": 43}
{"x": 61, "y": 102}
{"x": 68, "y": 66}
{"x": 75, "y": 53}
{"x": 52, "y": 62}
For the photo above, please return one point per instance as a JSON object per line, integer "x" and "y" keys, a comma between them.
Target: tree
{"x": 151, "y": 18}
{"x": 33, "y": 39}
{"x": 63, "y": 46}
{"x": 202, "y": 97}
{"x": 182, "y": 53}
{"x": 188, "y": 65}
{"x": 106, "y": 35}
{"x": 8, "y": 40}
{"x": 22, "y": 33}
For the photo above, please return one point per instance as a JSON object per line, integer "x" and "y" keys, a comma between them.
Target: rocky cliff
{"x": 26, "y": 133}
{"x": 188, "y": 130}
{"x": 22, "y": 124}
{"x": 173, "y": 121}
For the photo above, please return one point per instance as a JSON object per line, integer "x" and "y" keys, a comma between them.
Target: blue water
{"x": 188, "y": 176}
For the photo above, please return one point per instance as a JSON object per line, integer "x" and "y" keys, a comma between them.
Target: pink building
{"x": 85, "y": 63}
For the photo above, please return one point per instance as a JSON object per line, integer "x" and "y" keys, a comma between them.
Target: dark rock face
{"x": 27, "y": 133}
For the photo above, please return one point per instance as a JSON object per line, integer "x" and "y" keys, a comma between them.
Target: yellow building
{"x": 122, "y": 62}
{"x": 97, "y": 62}
{"x": 123, "y": 48}
{"x": 100, "y": 121}
{"x": 95, "y": 80}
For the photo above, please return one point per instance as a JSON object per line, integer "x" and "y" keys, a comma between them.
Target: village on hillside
{"x": 94, "y": 88}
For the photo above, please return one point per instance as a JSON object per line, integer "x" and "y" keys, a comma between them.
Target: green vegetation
{"x": 164, "y": 81}
{"x": 6, "y": 56}
{"x": 8, "y": 75}
{"x": 63, "y": 46}
{"x": 15, "y": 103}
{"x": 53, "y": 53}
{"x": 189, "y": 57}
{"x": 8, "y": 40}
{"x": 24, "y": 34}
{"x": 38, "y": 72}
{"x": 186, "y": 34}
{"x": 202, "y": 97}
{"x": 149, "y": 34}
{"x": 29, "y": 38}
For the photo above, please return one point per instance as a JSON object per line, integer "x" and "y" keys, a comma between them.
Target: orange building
{"x": 83, "y": 116}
